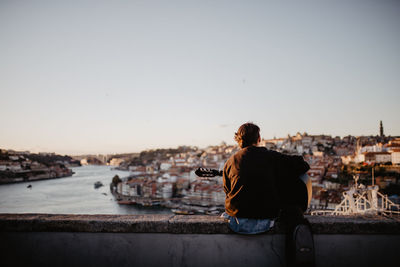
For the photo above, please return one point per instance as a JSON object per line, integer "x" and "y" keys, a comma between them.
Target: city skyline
{"x": 233, "y": 143}
{"x": 94, "y": 77}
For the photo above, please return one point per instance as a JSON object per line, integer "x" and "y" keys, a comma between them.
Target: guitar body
{"x": 299, "y": 193}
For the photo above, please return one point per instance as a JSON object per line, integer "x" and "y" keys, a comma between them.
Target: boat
{"x": 126, "y": 202}
{"x": 213, "y": 212}
{"x": 98, "y": 184}
{"x": 182, "y": 212}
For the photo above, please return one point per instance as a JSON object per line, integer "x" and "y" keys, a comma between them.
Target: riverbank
{"x": 176, "y": 205}
{"x": 32, "y": 176}
{"x": 23, "y": 166}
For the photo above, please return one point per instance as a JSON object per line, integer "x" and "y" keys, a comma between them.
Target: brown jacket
{"x": 255, "y": 179}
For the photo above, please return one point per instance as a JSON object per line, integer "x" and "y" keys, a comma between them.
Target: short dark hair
{"x": 247, "y": 134}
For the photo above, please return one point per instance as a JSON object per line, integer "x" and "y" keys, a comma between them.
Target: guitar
{"x": 207, "y": 173}
{"x": 300, "y": 192}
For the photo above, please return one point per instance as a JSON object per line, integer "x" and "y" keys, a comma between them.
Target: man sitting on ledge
{"x": 261, "y": 186}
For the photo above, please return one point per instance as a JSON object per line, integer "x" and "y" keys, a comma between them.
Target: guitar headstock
{"x": 203, "y": 172}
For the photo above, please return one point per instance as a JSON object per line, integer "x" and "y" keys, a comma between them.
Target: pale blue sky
{"x": 123, "y": 76}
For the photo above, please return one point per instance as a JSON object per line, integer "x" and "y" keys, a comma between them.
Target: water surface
{"x": 69, "y": 195}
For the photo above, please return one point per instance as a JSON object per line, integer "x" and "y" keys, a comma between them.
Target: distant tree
{"x": 116, "y": 180}
{"x": 3, "y": 156}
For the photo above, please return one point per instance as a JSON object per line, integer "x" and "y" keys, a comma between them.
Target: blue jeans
{"x": 248, "y": 226}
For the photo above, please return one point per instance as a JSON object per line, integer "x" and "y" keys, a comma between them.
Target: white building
{"x": 377, "y": 157}
{"x": 123, "y": 189}
{"x": 318, "y": 153}
{"x": 299, "y": 149}
{"x": 167, "y": 190}
{"x": 383, "y": 157}
{"x": 374, "y": 148}
{"x": 165, "y": 166}
{"x": 116, "y": 161}
{"x": 15, "y": 167}
{"x": 396, "y": 157}
{"x": 359, "y": 158}
{"x": 347, "y": 159}
{"x": 13, "y": 157}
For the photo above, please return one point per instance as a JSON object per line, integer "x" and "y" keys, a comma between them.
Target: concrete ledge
{"x": 181, "y": 224}
{"x": 178, "y": 240}
{"x": 355, "y": 225}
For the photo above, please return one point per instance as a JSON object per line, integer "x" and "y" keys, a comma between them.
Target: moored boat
{"x": 182, "y": 212}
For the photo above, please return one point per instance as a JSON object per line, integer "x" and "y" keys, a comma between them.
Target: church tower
{"x": 381, "y": 129}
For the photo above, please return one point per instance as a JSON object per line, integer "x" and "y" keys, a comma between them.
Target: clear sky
{"x": 123, "y": 76}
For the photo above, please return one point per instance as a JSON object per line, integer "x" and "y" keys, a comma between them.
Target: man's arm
{"x": 290, "y": 166}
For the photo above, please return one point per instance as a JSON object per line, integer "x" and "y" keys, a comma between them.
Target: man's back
{"x": 254, "y": 178}
{"x": 261, "y": 184}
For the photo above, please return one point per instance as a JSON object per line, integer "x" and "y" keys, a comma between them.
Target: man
{"x": 261, "y": 185}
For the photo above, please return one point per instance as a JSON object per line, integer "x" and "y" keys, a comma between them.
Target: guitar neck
{"x": 203, "y": 172}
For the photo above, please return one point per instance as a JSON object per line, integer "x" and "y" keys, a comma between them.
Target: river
{"x": 70, "y": 195}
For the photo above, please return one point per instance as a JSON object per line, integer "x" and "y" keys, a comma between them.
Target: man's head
{"x": 248, "y": 134}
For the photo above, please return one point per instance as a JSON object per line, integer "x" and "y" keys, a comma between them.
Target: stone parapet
{"x": 182, "y": 224}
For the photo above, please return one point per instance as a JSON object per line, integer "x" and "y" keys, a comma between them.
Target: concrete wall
{"x": 47, "y": 240}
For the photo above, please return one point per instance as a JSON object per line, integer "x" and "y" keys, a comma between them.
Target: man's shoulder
{"x": 260, "y": 150}
{"x": 263, "y": 152}
{"x": 252, "y": 153}
{"x": 254, "y": 150}
{"x": 230, "y": 160}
